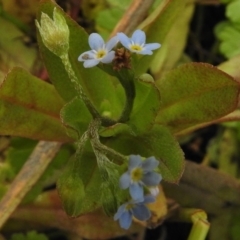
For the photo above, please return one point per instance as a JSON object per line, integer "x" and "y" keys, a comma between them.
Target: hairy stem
{"x": 96, "y": 144}
{"x": 82, "y": 95}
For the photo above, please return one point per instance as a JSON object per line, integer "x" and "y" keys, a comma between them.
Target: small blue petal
{"x": 139, "y": 37}
{"x": 119, "y": 212}
{"x": 136, "y": 191}
{"x": 149, "y": 164}
{"x": 134, "y": 161}
{"x": 88, "y": 54}
{"x": 141, "y": 212}
{"x": 125, "y": 181}
{"x": 125, "y": 41}
{"x": 91, "y": 63}
{"x": 152, "y": 46}
{"x": 149, "y": 199}
{"x": 151, "y": 179}
{"x": 125, "y": 220}
{"x": 95, "y": 41}
{"x": 146, "y": 52}
{"x": 109, "y": 57}
{"x": 111, "y": 43}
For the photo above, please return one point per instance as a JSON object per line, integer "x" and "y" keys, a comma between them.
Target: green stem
{"x": 81, "y": 144}
{"x": 129, "y": 88}
{"x": 200, "y": 226}
{"x": 96, "y": 144}
{"x": 82, "y": 95}
{"x": 126, "y": 79}
{"x": 199, "y": 230}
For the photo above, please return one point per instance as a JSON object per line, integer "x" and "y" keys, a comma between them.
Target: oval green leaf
{"x": 195, "y": 93}
{"x": 29, "y": 107}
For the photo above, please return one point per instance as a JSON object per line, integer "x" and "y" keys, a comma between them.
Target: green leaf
{"x": 18, "y": 153}
{"x": 107, "y": 19}
{"x": 158, "y": 142}
{"x": 232, "y": 11}
{"x": 195, "y": 93}
{"x": 229, "y": 34}
{"x": 166, "y": 58}
{"x": 79, "y": 185}
{"x": 71, "y": 190}
{"x": 146, "y": 103}
{"x": 14, "y": 52}
{"x": 97, "y": 84}
{"x": 75, "y": 117}
{"x": 30, "y": 108}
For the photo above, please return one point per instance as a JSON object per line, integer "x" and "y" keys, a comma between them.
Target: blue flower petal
{"x": 125, "y": 41}
{"x": 134, "y": 161}
{"x": 90, "y": 63}
{"x": 125, "y": 220}
{"x": 149, "y": 164}
{"x": 88, "y": 54}
{"x": 136, "y": 191}
{"x": 139, "y": 37}
{"x": 141, "y": 212}
{"x": 151, "y": 179}
{"x": 108, "y": 58}
{"x": 149, "y": 199}
{"x": 95, "y": 41}
{"x": 152, "y": 46}
{"x": 146, "y": 52}
{"x": 111, "y": 43}
{"x": 125, "y": 181}
{"x": 119, "y": 212}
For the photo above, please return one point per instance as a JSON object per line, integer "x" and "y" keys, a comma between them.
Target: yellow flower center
{"x": 129, "y": 206}
{"x": 101, "y": 53}
{"x": 136, "y": 174}
{"x": 136, "y": 48}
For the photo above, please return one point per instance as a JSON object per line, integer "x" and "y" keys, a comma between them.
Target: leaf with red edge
{"x": 30, "y": 108}
{"x": 195, "y": 93}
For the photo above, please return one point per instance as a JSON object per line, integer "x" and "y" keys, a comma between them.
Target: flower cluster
{"x": 139, "y": 177}
{"x": 133, "y": 209}
{"x": 101, "y": 52}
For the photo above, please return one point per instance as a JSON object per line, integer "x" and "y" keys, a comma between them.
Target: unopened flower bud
{"x": 54, "y": 33}
{"x": 145, "y": 77}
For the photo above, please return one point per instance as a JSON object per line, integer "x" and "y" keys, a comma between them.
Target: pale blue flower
{"x": 100, "y": 52}
{"x": 137, "y": 43}
{"x": 140, "y": 173}
{"x": 133, "y": 209}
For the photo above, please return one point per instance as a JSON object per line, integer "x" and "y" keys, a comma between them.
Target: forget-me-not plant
{"x": 137, "y": 43}
{"x": 140, "y": 173}
{"x": 135, "y": 209}
{"x": 141, "y": 176}
{"x": 100, "y": 52}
